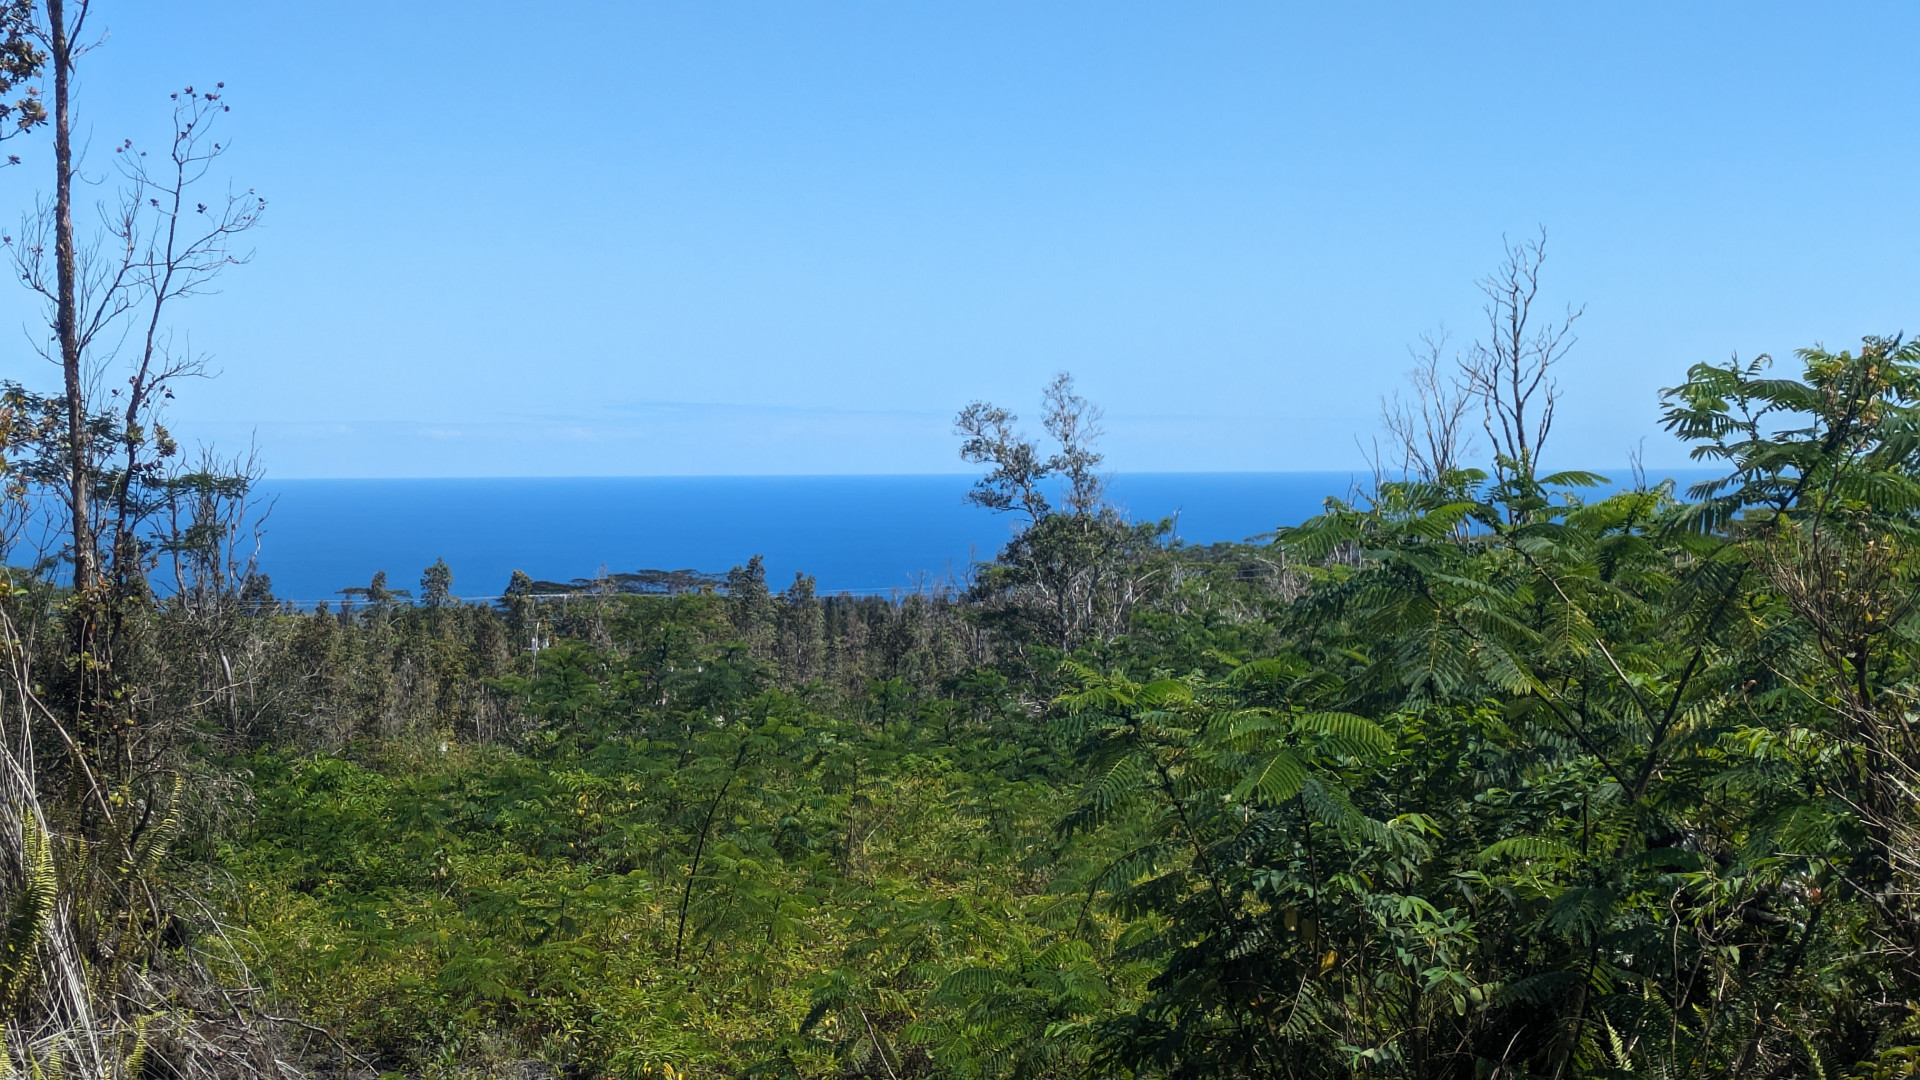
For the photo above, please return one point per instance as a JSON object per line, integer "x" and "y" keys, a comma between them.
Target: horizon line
{"x": 1113, "y": 474}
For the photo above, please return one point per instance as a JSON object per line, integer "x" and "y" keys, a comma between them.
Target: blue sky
{"x": 626, "y": 238}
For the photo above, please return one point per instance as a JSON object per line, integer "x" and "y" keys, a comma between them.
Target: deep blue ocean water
{"x": 853, "y": 533}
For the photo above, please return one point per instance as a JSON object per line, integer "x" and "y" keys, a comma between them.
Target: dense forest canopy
{"x": 1487, "y": 771}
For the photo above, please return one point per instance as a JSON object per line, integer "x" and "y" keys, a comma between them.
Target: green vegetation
{"x": 1476, "y": 776}
{"x": 1481, "y": 774}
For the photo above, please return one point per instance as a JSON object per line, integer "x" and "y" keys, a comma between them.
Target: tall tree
{"x": 59, "y": 39}
{"x": 436, "y": 584}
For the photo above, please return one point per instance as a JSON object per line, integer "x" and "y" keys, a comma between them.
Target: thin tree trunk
{"x": 66, "y": 318}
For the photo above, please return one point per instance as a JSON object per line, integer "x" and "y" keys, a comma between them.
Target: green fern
{"x": 27, "y": 913}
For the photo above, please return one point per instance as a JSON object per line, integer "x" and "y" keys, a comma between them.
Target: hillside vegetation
{"x": 1477, "y": 775}
{"x": 1486, "y": 772}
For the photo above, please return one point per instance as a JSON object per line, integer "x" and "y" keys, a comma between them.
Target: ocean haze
{"x": 718, "y": 439}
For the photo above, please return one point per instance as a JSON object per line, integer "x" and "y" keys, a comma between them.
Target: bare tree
{"x": 1427, "y": 429}
{"x": 158, "y": 244}
{"x": 177, "y": 252}
{"x": 1511, "y": 373}
{"x": 1074, "y": 423}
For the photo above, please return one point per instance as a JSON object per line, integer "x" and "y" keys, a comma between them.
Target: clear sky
{"x": 652, "y": 238}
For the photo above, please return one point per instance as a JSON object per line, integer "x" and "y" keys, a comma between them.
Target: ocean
{"x": 865, "y": 534}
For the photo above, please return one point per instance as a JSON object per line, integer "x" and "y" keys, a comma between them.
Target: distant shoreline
{"x": 863, "y": 533}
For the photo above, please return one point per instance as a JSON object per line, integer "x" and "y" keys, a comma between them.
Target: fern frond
{"x": 1356, "y": 735}
{"x": 1525, "y": 847}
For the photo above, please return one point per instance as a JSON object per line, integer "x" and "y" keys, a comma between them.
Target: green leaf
{"x": 1276, "y": 779}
